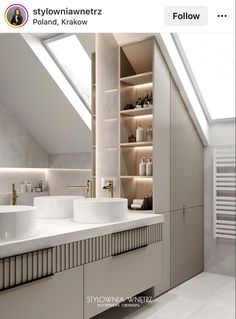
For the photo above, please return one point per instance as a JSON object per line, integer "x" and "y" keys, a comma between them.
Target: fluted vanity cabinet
{"x": 56, "y": 297}
{"x": 121, "y": 276}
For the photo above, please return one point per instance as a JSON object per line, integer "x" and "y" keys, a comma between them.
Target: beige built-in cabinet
{"x": 121, "y": 276}
{"x": 56, "y": 297}
{"x": 187, "y": 169}
{"x": 79, "y": 292}
{"x": 176, "y": 149}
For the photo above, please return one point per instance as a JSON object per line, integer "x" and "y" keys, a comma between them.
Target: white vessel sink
{"x": 54, "y": 206}
{"x": 100, "y": 210}
{"x": 17, "y": 222}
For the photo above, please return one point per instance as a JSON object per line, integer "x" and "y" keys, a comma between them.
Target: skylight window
{"x": 74, "y": 61}
{"x": 211, "y": 61}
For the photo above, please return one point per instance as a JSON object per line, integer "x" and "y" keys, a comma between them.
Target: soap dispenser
{"x": 149, "y": 133}
{"x": 142, "y": 167}
{"x": 149, "y": 167}
{"x": 139, "y": 134}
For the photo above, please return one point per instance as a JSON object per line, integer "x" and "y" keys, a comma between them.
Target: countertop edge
{"x": 43, "y": 241}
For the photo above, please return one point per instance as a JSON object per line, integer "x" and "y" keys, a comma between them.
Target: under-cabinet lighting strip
{"x": 144, "y": 179}
{"x": 35, "y": 170}
{"x": 111, "y": 90}
{"x": 142, "y": 147}
{"x": 22, "y": 169}
{"x": 70, "y": 169}
{"x": 143, "y": 116}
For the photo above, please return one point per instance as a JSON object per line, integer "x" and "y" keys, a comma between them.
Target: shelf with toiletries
{"x": 26, "y": 187}
{"x": 136, "y": 129}
{"x": 136, "y": 98}
{"x": 138, "y": 192}
{"x": 136, "y": 162}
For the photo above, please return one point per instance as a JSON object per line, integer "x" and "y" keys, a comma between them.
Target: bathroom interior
{"x": 117, "y": 176}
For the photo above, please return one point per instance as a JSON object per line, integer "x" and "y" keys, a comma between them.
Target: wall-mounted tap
{"x": 88, "y": 188}
{"x": 109, "y": 187}
{"x": 14, "y": 195}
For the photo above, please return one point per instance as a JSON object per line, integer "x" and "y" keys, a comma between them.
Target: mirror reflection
{"x": 45, "y": 114}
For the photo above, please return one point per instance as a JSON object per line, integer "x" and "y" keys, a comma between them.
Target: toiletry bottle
{"x": 150, "y": 202}
{"x": 131, "y": 138}
{"x": 146, "y": 100}
{"x": 28, "y": 188}
{"x": 42, "y": 185}
{"x": 149, "y": 167}
{"x": 139, "y": 104}
{"x": 149, "y": 133}
{"x": 142, "y": 167}
{"x": 139, "y": 134}
{"x": 22, "y": 187}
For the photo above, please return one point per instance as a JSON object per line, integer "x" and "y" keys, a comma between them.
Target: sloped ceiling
{"x": 31, "y": 93}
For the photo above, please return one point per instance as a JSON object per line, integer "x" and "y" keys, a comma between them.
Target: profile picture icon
{"x": 16, "y": 15}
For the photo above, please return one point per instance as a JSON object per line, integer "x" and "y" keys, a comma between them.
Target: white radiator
{"x": 224, "y": 200}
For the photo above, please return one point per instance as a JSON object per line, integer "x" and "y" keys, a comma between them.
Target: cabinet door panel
{"x": 56, "y": 297}
{"x": 177, "y": 148}
{"x": 177, "y": 248}
{"x": 121, "y": 276}
{"x": 193, "y": 241}
{"x": 187, "y": 249}
{"x": 193, "y": 166}
{"x": 186, "y": 156}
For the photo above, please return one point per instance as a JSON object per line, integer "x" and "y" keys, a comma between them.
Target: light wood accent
{"x": 138, "y": 79}
{"x": 137, "y": 177}
{"x": 138, "y": 55}
{"x": 135, "y": 82}
{"x": 137, "y": 144}
{"x": 138, "y": 112}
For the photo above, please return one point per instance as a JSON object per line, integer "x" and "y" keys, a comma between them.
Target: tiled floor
{"x": 206, "y": 296}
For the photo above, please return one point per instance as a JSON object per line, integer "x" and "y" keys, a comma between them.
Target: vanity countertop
{"x": 53, "y": 232}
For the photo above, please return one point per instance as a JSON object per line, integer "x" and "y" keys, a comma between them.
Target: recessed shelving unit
{"x": 136, "y": 81}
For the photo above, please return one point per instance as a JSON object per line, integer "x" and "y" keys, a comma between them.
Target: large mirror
{"x": 46, "y": 99}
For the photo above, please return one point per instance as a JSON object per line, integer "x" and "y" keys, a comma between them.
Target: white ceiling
{"x": 31, "y": 93}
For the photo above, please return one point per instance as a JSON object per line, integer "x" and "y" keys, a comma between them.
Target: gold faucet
{"x": 14, "y": 195}
{"x": 109, "y": 187}
{"x": 88, "y": 187}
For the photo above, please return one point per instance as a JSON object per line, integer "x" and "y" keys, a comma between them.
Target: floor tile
{"x": 206, "y": 296}
{"x": 212, "y": 312}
